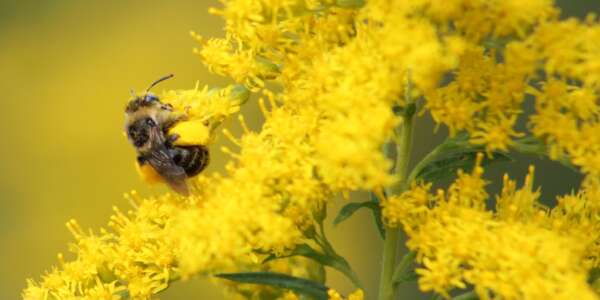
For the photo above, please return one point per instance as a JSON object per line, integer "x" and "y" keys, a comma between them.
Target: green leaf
{"x": 377, "y": 215}
{"x": 593, "y": 275}
{"x": 279, "y": 280}
{"x": 535, "y": 146}
{"x": 404, "y": 272}
{"x": 453, "y": 154}
{"x": 349, "y": 209}
{"x": 332, "y": 260}
{"x": 408, "y": 276}
{"x": 446, "y": 164}
{"x": 306, "y": 251}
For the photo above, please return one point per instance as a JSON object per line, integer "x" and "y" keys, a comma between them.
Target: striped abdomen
{"x": 193, "y": 159}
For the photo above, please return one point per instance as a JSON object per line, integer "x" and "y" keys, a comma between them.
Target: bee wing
{"x": 174, "y": 175}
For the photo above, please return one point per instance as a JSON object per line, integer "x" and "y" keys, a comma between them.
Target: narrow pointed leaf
{"x": 408, "y": 276}
{"x": 305, "y": 251}
{"x": 349, "y": 209}
{"x": 332, "y": 260}
{"x": 279, "y": 280}
{"x": 446, "y": 164}
{"x": 593, "y": 275}
{"x": 533, "y": 145}
{"x": 453, "y": 154}
{"x": 377, "y": 215}
{"x": 405, "y": 271}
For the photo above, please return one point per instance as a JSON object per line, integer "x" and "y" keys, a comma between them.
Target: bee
{"x": 147, "y": 124}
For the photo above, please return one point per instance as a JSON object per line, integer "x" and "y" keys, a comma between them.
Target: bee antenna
{"x": 132, "y": 92}
{"x": 159, "y": 80}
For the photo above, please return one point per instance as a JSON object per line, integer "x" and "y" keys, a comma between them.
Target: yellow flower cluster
{"x": 356, "y": 295}
{"x": 205, "y": 109}
{"x": 486, "y": 55}
{"x": 484, "y": 99}
{"x": 332, "y": 78}
{"x": 484, "y": 94}
{"x": 567, "y": 108}
{"x": 477, "y": 20}
{"x": 341, "y": 71}
{"x": 523, "y": 250}
{"x": 134, "y": 259}
{"x": 556, "y": 62}
{"x": 264, "y": 204}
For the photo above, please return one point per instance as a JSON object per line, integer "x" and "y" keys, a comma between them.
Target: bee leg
{"x": 172, "y": 120}
{"x": 141, "y": 160}
{"x": 167, "y": 106}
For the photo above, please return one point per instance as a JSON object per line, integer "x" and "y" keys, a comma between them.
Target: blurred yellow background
{"x": 66, "y": 68}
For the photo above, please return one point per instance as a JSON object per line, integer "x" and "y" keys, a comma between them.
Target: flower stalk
{"x": 403, "y": 136}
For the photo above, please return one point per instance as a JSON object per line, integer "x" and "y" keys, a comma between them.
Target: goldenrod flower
{"x": 336, "y": 80}
{"x": 521, "y": 251}
{"x": 356, "y": 295}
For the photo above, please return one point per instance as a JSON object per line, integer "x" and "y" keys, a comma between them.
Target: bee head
{"x": 146, "y": 100}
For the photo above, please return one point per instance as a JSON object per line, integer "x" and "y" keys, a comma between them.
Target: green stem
{"x": 386, "y": 291}
{"x": 403, "y": 149}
